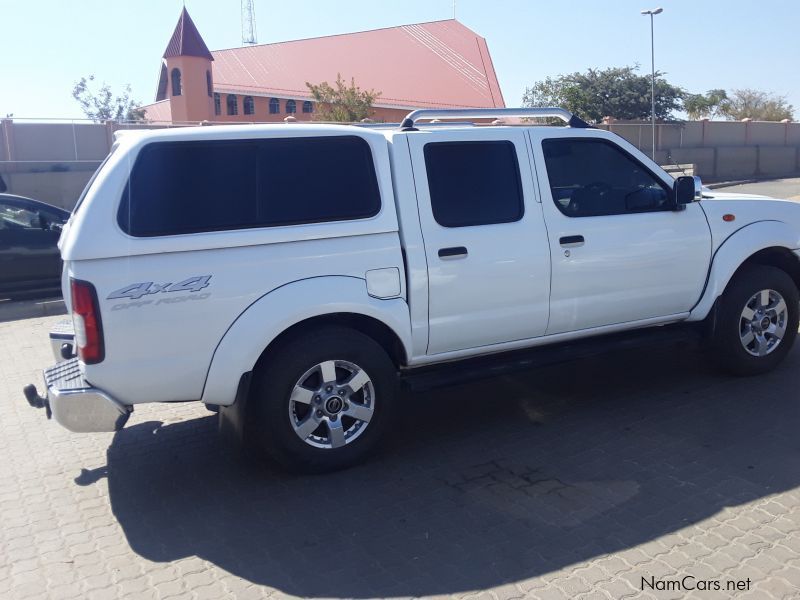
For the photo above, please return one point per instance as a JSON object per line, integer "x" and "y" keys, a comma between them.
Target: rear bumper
{"x": 78, "y": 406}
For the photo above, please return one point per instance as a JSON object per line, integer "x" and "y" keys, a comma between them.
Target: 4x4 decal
{"x": 137, "y": 290}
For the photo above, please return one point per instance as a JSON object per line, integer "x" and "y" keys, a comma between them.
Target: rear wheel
{"x": 321, "y": 401}
{"x": 757, "y": 321}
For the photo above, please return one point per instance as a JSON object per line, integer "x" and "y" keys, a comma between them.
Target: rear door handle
{"x": 571, "y": 241}
{"x": 453, "y": 252}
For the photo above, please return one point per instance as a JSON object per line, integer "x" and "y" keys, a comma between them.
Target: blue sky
{"x": 47, "y": 45}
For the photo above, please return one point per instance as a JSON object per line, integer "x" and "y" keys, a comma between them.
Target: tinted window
{"x": 474, "y": 183}
{"x": 25, "y": 215}
{"x": 591, "y": 178}
{"x": 188, "y": 187}
{"x": 17, "y": 217}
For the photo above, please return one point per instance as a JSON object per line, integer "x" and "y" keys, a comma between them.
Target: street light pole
{"x": 653, "y": 12}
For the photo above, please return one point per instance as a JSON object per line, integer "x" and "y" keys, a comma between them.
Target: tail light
{"x": 86, "y": 319}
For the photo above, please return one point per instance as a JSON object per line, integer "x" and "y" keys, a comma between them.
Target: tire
{"x": 745, "y": 344}
{"x": 303, "y": 382}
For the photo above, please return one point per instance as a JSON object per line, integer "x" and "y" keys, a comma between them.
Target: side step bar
{"x": 474, "y": 369}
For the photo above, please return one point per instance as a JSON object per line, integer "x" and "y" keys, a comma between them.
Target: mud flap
{"x": 232, "y": 418}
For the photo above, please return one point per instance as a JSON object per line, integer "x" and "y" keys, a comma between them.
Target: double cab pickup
{"x": 290, "y": 275}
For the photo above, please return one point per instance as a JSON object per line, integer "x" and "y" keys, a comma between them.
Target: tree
{"x": 759, "y": 106}
{"x": 617, "y": 92}
{"x": 103, "y": 105}
{"x": 342, "y": 102}
{"x": 705, "y": 106}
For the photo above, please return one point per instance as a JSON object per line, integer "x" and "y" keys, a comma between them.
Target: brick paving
{"x": 571, "y": 482}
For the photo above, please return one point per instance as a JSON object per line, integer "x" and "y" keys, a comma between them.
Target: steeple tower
{"x": 186, "y": 77}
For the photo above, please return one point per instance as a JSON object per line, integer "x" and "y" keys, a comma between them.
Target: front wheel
{"x": 757, "y": 321}
{"x": 321, "y": 401}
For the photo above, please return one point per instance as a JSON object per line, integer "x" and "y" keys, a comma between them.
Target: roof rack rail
{"x": 488, "y": 113}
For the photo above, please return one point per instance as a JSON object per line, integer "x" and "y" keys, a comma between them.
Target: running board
{"x": 473, "y": 369}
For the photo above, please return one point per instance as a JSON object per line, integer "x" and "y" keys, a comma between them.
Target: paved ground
{"x": 777, "y": 188}
{"x": 571, "y": 482}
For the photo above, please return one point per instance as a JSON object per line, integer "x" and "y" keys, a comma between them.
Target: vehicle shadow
{"x": 479, "y": 485}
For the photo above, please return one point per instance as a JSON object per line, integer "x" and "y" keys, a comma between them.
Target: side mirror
{"x": 687, "y": 189}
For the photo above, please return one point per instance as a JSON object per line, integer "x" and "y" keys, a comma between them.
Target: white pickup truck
{"x": 290, "y": 275}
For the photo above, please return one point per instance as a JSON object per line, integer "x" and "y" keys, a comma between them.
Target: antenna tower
{"x": 248, "y": 23}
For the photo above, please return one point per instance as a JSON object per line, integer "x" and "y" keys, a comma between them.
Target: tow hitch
{"x": 35, "y": 400}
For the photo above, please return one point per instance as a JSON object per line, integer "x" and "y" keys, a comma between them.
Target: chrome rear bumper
{"x": 77, "y": 405}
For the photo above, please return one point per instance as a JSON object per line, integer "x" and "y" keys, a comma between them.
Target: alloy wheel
{"x": 762, "y": 324}
{"x": 332, "y": 404}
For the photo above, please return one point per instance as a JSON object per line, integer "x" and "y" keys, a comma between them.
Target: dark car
{"x": 29, "y": 259}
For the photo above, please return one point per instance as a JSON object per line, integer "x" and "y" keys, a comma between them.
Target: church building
{"x": 440, "y": 64}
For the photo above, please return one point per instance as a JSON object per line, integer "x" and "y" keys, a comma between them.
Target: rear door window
{"x": 474, "y": 183}
{"x": 192, "y": 187}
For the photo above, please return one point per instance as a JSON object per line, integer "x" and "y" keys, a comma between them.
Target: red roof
{"x": 429, "y": 65}
{"x": 159, "y": 112}
{"x": 186, "y": 40}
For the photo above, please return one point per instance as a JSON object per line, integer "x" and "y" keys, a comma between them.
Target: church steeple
{"x": 186, "y": 40}
{"x": 186, "y": 78}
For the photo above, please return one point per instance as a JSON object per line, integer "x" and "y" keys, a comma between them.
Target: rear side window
{"x": 191, "y": 187}
{"x": 474, "y": 183}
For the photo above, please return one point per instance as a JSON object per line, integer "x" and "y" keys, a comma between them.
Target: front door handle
{"x": 571, "y": 241}
{"x": 453, "y": 252}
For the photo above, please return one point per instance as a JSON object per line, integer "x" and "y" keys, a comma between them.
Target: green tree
{"x": 342, "y": 102}
{"x": 756, "y": 105}
{"x": 102, "y": 105}
{"x": 705, "y": 106}
{"x": 618, "y": 92}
